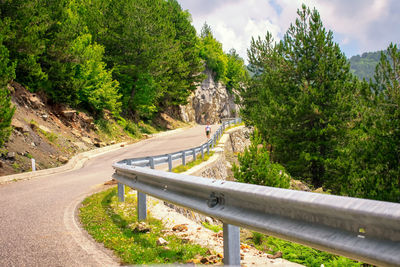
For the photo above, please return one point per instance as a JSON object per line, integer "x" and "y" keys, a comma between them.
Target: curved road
{"x": 38, "y": 223}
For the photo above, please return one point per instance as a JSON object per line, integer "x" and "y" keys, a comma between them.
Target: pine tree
{"x": 301, "y": 97}
{"x": 370, "y": 162}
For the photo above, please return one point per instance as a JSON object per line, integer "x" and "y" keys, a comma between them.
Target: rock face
{"x": 210, "y": 103}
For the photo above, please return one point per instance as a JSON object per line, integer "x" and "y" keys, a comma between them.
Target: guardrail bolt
{"x": 215, "y": 200}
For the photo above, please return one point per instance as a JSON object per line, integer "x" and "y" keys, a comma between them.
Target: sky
{"x": 358, "y": 26}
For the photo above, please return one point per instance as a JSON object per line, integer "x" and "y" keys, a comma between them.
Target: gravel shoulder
{"x": 207, "y": 238}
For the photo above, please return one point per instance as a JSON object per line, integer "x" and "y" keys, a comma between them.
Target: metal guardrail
{"x": 153, "y": 161}
{"x": 361, "y": 229}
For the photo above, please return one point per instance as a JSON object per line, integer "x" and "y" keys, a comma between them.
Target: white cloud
{"x": 365, "y": 25}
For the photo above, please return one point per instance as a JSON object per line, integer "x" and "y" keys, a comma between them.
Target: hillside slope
{"x": 49, "y": 134}
{"x": 53, "y": 134}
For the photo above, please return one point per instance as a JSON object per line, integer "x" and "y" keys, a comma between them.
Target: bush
{"x": 256, "y": 166}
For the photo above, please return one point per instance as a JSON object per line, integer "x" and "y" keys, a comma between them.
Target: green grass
{"x": 52, "y": 137}
{"x": 212, "y": 227}
{"x": 233, "y": 126}
{"x": 199, "y": 160}
{"x": 16, "y": 166}
{"x": 112, "y": 223}
{"x": 298, "y": 253}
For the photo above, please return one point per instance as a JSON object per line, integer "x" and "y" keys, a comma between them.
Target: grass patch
{"x": 112, "y": 223}
{"x": 16, "y": 166}
{"x": 212, "y": 227}
{"x": 136, "y": 130}
{"x": 52, "y": 137}
{"x": 183, "y": 168}
{"x": 298, "y": 253}
{"x": 233, "y": 126}
{"x": 147, "y": 128}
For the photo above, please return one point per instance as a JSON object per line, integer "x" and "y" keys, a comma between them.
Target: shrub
{"x": 256, "y": 166}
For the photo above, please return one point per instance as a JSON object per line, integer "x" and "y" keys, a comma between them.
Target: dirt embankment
{"x": 48, "y": 134}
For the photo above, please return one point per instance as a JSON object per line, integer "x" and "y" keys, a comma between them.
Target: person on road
{"x": 208, "y": 131}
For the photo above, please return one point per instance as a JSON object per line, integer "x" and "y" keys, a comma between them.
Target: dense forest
{"x": 316, "y": 121}
{"x": 133, "y": 58}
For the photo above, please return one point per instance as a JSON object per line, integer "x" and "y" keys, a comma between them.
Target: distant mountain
{"x": 364, "y": 66}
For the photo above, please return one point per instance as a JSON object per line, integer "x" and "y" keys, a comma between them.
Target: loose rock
{"x": 11, "y": 155}
{"x": 161, "y": 242}
{"x": 141, "y": 227}
{"x": 62, "y": 159}
{"x": 276, "y": 255}
{"x": 180, "y": 228}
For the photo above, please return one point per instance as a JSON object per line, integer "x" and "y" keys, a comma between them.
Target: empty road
{"x": 38, "y": 217}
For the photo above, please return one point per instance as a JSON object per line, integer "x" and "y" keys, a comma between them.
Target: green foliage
{"x": 212, "y": 227}
{"x": 236, "y": 73}
{"x": 136, "y": 56}
{"x": 298, "y": 253}
{"x": 97, "y": 90}
{"x": 153, "y": 49}
{"x": 113, "y": 223}
{"x": 369, "y": 164}
{"x": 300, "y": 97}
{"x": 7, "y": 73}
{"x": 212, "y": 53}
{"x": 132, "y": 129}
{"x": 145, "y": 96}
{"x": 256, "y": 166}
{"x": 28, "y": 22}
{"x": 77, "y": 74}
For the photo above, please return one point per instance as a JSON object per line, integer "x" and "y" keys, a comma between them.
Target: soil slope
{"x": 48, "y": 134}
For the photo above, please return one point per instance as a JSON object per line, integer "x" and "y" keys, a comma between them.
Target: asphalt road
{"x": 38, "y": 217}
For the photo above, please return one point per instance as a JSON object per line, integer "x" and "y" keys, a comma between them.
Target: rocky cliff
{"x": 210, "y": 103}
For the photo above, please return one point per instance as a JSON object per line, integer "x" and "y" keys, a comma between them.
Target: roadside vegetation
{"x": 297, "y": 253}
{"x": 191, "y": 164}
{"x": 319, "y": 122}
{"x": 132, "y": 59}
{"x": 115, "y": 224}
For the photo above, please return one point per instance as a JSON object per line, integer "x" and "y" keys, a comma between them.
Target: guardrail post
{"x": 202, "y": 151}
{"x": 142, "y": 199}
{"x": 194, "y": 154}
{"x": 121, "y": 192}
{"x": 183, "y": 158}
{"x": 231, "y": 235}
{"x": 169, "y": 162}
{"x": 141, "y": 206}
{"x": 208, "y": 148}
